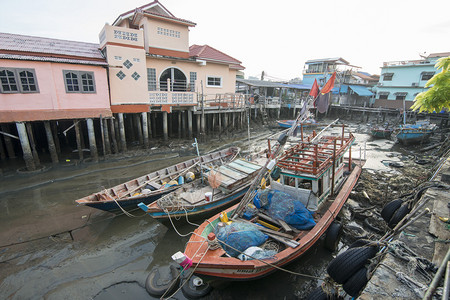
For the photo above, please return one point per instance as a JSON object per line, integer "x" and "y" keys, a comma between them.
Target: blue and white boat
{"x": 219, "y": 189}
{"x": 415, "y": 133}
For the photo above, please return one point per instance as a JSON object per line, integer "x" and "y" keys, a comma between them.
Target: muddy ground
{"x": 52, "y": 249}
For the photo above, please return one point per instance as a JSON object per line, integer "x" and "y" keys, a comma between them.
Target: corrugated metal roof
{"x": 32, "y": 44}
{"x": 53, "y": 59}
{"x": 361, "y": 90}
{"x": 338, "y": 60}
{"x": 260, "y": 83}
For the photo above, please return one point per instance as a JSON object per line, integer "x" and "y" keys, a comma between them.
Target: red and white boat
{"x": 319, "y": 172}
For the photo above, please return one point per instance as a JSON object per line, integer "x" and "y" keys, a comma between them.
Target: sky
{"x": 276, "y": 37}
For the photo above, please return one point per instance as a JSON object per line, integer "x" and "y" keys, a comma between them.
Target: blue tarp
{"x": 361, "y": 90}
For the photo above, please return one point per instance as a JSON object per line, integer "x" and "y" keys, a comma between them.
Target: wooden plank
{"x": 248, "y": 164}
{"x": 267, "y": 230}
{"x": 241, "y": 168}
{"x": 231, "y": 173}
{"x": 285, "y": 226}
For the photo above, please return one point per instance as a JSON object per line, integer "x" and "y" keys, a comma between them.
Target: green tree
{"x": 437, "y": 97}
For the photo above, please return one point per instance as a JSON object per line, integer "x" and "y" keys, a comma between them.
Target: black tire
{"x": 390, "y": 208}
{"x": 319, "y": 294}
{"x": 372, "y": 227}
{"x": 191, "y": 291}
{"x": 162, "y": 279}
{"x": 333, "y": 236}
{"x": 342, "y": 267}
{"x": 399, "y": 215}
{"x": 355, "y": 284}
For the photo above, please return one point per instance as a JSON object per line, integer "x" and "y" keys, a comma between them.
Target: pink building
{"x": 55, "y": 81}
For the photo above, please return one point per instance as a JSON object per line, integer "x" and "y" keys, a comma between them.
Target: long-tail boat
{"x": 152, "y": 186}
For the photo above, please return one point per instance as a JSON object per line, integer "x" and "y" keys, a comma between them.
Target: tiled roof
{"x": 209, "y": 53}
{"x": 150, "y": 9}
{"x": 53, "y": 59}
{"x": 31, "y": 44}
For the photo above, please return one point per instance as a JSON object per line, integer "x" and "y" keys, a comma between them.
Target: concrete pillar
{"x": 165, "y": 127}
{"x": 51, "y": 142}
{"x": 183, "y": 123}
{"x": 138, "y": 128}
{"x": 30, "y": 134}
{"x": 179, "y": 124}
{"x": 219, "y": 118}
{"x": 92, "y": 144}
{"x": 117, "y": 133}
{"x": 78, "y": 139}
{"x": 112, "y": 129}
{"x": 145, "y": 129}
{"x": 203, "y": 125}
{"x": 225, "y": 121}
{"x": 149, "y": 117}
{"x": 153, "y": 123}
{"x": 24, "y": 142}
{"x": 233, "y": 125}
{"x": 123, "y": 141}
{"x": 189, "y": 117}
{"x": 8, "y": 142}
{"x": 106, "y": 136}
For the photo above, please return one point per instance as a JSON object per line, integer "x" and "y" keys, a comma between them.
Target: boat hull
{"x": 408, "y": 137}
{"x": 212, "y": 266}
{"x": 381, "y": 133}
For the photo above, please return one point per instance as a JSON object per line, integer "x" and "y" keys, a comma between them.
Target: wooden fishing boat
{"x": 381, "y": 132}
{"x": 315, "y": 172}
{"x": 152, "y": 186}
{"x": 420, "y": 132}
{"x": 219, "y": 189}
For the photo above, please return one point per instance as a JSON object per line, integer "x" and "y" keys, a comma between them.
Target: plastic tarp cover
{"x": 240, "y": 236}
{"x": 282, "y": 206}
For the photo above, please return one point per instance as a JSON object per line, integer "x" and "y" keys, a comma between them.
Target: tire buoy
{"x": 354, "y": 285}
{"x": 399, "y": 215}
{"x": 162, "y": 279}
{"x": 333, "y": 236}
{"x": 195, "y": 288}
{"x": 343, "y": 266}
{"x": 390, "y": 208}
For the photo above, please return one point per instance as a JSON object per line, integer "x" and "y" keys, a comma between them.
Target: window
{"x": 79, "y": 81}
{"x": 388, "y": 76}
{"x": 127, "y": 64}
{"x": 121, "y": 75}
{"x": 192, "y": 79}
{"x": 135, "y": 76}
{"x": 151, "y": 79}
{"x": 14, "y": 80}
{"x": 214, "y": 81}
{"x": 400, "y": 95}
{"x": 383, "y": 95}
{"x": 426, "y": 75}
{"x": 168, "y": 32}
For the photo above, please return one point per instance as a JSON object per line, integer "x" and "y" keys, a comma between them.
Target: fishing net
{"x": 240, "y": 236}
{"x": 282, "y": 206}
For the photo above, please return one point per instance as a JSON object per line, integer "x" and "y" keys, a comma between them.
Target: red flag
{"x": 315, "y": 89}
{"x": 329, "y": 85}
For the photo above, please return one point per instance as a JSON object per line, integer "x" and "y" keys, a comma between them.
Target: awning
{"x": 361, "y": 90}
{"x": 299, "y": 86}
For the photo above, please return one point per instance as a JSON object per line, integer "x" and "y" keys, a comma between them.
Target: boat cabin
{"x": 311, "y": 170}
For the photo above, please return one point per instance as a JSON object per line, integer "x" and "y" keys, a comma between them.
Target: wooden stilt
{"x": 153, "y": 123}
{"x": 199, "y": 125}
{"x": 225, "y": 122}
{"x": 183, "y": 123}
{"x": 55, "y": 136}
{"x": 26, "y": 149}
{"x": 233, "y": 125}
{"x": 8, "y": 142}
{"x": 92, "y": 144}
{"x": 203, "y": 125}
{"x": 106, "y": 136}
{"x": 123, "y": 142}
{"x": 149, "y": 122}
{"x": 30, "y": 134}
{"x": 145, "y": 129}
{"x": 78, "y": 139}
{"x": 102, "y": 134}
{"x": 165, "y": 126}
{"x": 112, "y": 129}
{"x": 189, "y": 120}
{"x": 51, "y": 142}
{"x": 2, "y": 149}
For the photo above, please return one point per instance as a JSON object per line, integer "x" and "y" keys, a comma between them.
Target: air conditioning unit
{"x": 379, "y": 84}
{"x": 415, "y": 84}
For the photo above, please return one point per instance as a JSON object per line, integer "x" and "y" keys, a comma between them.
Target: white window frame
{"x": 214, "y": 77}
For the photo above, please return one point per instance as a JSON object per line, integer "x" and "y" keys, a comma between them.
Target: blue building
{"x": 403, "y": 80}
{"x": 351, "y": 87}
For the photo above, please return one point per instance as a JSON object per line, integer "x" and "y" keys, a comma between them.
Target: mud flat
{"x": 405, "y": 272}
